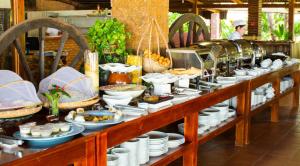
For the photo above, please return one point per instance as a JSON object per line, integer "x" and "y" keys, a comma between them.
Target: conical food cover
{"x": 16, "y": 93}
{"x": 7, "y": 76}
{"x": 78, "y": 85}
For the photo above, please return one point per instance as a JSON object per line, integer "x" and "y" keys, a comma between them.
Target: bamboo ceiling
{"x": 187, "y": 5}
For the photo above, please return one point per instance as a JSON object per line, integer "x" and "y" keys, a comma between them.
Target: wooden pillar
{"x": 254, "y": 18}
{"x": 215, "y": 25}
{"x": 18, "y": 15}
{"x": 291, "y": 19}
{"x": 195, "y": 7}
{"x": 135, "y": 13}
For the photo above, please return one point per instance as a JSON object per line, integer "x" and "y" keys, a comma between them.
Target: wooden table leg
{"x": 296, "y": 98}
{"x": 191, "y": 136}
{"x": 275, "y": 106}
{"x": 101, "y": 144}
{"x": 296, "y": 78}
{"x": 90, "y": 152}
{"x": 275, "y": 112}
{"x": 243, "y": 126}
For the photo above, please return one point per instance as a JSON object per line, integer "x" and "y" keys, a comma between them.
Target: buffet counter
{"x": 91, "y": 149}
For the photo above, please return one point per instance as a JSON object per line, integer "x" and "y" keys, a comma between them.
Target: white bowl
{"x": 175, "y": 140}
{"x": 266, "y": 63}
{"x": 240, "y": 72}
{"x": 133, "y": 94}
{"x": 113, "y": 100}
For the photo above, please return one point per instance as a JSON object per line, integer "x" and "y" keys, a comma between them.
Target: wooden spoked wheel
{"x": 12, "y": 37}
{"x": 196, "y": 28}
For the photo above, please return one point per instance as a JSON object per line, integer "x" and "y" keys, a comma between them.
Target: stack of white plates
{"x": 175, "y": 140}
{"x": 158, "y": 143}
{"x": 286, "y": 83}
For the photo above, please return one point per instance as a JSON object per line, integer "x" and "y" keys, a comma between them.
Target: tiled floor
{"x": 272, "y": 144}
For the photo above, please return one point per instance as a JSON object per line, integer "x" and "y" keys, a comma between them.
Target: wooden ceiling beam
{"x": 193, "y": 2}
{"x": 237, "y": 1}
{"x": 70, "y": 2}
{"x": 216, "y": 6}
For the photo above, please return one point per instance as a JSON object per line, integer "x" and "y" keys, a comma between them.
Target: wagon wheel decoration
{"x": 196, "y": 27}
{"x": 11, "y": 37}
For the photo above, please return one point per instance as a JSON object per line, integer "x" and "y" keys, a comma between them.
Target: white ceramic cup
{"x": 203, "y": 119}
{"x": 123, "y": 155}
{"x": 143, "y": 149}
{"x": 112, "y": 160}
{"x": 132, "y": 146}
{"x": 215, "y": 116}
{"x": 223, "y": 110}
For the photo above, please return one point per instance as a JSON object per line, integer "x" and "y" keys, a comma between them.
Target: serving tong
{"x": 127, "y": 109}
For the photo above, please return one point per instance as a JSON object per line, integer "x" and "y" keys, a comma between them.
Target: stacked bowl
{"x": 158, "y": 143}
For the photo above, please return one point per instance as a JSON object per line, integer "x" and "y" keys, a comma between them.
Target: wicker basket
{"x": 15, "y": 113}
{"x": 150, "y": 65}
{"x": 78, "y": 104}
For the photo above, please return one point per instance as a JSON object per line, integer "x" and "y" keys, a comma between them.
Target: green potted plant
{"x": 108, "y": 38}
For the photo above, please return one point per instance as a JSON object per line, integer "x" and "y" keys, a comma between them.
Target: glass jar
{"x": 91, "y": 68}
{"x": 119, "y": 78}
{"x": 136, "y": 74}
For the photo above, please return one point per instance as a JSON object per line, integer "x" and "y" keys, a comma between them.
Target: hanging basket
{"x": 153, "y": 61}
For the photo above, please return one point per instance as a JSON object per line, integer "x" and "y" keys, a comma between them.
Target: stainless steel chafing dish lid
{"x": 192, "y": 57}
{"x": 222, "y": 50}
{"x": 244, "y": 48}
{"x": 258, "y": 49}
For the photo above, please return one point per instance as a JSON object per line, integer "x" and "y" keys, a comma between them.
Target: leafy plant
{"x": 226, "y": 29}
{"x": 108, "y": 37}
{"x": 53, "y": 95}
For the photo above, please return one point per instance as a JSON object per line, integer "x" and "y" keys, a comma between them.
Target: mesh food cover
{"x": 78, "y": 85}
{"x": 16, "y": 93}
{"x": 7, "y": 76}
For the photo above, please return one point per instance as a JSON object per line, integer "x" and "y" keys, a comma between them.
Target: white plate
{"x": 160, "y": 78}
{"x": 94, "y": 125}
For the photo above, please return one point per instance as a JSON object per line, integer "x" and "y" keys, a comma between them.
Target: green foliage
{"x": 265, "y": 31}
{"x": 226, "y": 29}
{"x": 108, "y": 37}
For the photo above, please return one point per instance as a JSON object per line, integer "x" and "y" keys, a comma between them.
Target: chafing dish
{"x": 259, "y": 51}
{"x": 225, "y": 54}
{"x": 244, "y": 47}
{"x": 194, "y": 57}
